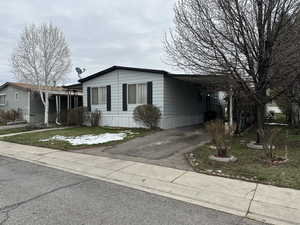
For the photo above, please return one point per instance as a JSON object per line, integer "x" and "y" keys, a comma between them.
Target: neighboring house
{"x": 26, "y": 99}
{"x": 117, "y": 90}
{"x": 273, "y": 107}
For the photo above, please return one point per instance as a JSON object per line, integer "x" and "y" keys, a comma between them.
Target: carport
{"x": 210, "y": 85}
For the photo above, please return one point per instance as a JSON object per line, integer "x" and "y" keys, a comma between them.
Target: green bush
{"x": 10, "y": 115}
{"x": 149, "y": 115}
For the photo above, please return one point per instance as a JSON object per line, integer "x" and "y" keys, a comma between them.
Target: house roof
{"x": 77, "y": 86}
{"x": 52, "y": 90}
{"x": 113, "y": 68}
{"x": 32, "y": 87}
{"x": 209, "y": 82}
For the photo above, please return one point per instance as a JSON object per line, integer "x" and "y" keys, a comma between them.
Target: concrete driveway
{"x": 164, "y": 148}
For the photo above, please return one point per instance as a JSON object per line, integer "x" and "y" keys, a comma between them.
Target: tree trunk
{"x": 260, "y": 119}
{"x": 45, "y": 101}
{"x": 46, "y": 121}
{"x": 289, "y": 115}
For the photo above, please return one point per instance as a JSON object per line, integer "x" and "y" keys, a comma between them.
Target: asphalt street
{"x": 36, "y": 195}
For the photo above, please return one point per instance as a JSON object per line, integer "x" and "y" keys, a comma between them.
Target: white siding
{"x": 21, "y": 103}
{"x": 182, "y": 104}
{"x": 117, "y": 117}
{"x": 178, "y": 101}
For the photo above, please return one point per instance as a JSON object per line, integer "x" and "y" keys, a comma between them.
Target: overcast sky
{"x": 100, "y": 33}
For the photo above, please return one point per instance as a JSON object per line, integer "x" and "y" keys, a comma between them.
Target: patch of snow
{"x": 89, "y": 139}
{"x": 277, "y": 124}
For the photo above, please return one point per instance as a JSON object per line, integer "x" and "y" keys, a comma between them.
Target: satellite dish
{"x": 80, "y": 71}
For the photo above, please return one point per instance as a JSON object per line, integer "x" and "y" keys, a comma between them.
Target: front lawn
{"x": 47, "y": 138}
{"x": 251, "y": 164}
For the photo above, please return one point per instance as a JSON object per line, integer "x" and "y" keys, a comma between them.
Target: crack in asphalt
{"x": 9, "y": 208}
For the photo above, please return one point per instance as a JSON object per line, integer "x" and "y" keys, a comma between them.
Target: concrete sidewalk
{"x": 256, "y": 201}
{"x": 33, "y": 131}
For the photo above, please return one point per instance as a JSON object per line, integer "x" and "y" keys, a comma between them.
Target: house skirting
{"x": 167, "y": 122}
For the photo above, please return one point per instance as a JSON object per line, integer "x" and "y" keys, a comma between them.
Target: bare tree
{"x": 286, "y": 63}
{"x": 239, "y": 39}
{"x": 42, "y": 58}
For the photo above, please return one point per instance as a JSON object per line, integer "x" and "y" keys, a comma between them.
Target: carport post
{"x": 230, "y": 108}
{"x": 68, "y": 99}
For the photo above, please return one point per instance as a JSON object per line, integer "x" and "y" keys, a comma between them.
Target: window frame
{"x": 99, "y": 97}
{"x": 3, "y": 95}
{"x": 136, "y": 94}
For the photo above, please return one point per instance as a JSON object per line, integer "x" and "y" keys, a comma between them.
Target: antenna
{"x": 80, "y": 71}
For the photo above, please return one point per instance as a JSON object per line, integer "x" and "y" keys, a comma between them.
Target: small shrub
{"x": 35, "y": 126}
{"x": 220, "y": 137}
{"x": 149, "y": 115}
{"x": 95, "y": 118}
{"x": 272, "y": 141}
{"x": 74, "y": 117}
{"x": 10, "y": 115}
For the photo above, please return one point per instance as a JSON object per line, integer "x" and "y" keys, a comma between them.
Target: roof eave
{"x": 113, "y": 68}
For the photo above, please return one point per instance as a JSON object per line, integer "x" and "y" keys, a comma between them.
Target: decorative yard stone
{"x": 223, "y": 159}
{"x": 253, "y": 145}
{"x": 213, "y": 147}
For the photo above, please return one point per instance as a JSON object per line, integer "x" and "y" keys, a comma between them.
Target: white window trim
{"x": 5, "y": 99}
{"x": 136, "y": 93}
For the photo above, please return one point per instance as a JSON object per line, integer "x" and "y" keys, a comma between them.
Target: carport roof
{"x": 207, "y": 82}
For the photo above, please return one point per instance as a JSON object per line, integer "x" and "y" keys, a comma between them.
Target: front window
{"x": 102, "y": 95}
{"x": 95, "y": 96}
{"x": 137, "y": 93}
{"x": 99, "y": 96}
{"x": 2, "y": 99}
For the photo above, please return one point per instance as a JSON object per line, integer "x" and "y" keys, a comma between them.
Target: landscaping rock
{"x": 253, "y": 145}
{"x": 223, "y": 159}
